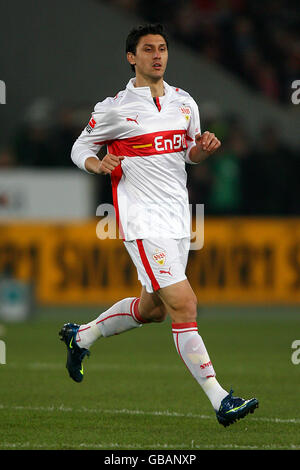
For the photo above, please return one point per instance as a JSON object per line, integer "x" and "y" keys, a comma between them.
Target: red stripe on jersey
{"x": 157, "y": 102}
{"x": 147, "y": 266}
{"x": 154, "y": 143}
{"x": 116, "y": 176}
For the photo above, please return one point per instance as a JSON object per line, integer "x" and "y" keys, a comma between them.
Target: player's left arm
{"x": 200, "y": 145}
{"x": 205, "y": 144}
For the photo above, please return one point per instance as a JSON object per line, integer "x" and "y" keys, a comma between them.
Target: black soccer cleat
{"x": 75, "y": 354}
{"x": 234, "y": 408}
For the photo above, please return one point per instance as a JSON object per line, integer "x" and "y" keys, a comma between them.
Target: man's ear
{"x": 131, "y": 58}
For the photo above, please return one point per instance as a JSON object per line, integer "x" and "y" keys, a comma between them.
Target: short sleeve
{"x": 193, "y": 129}
{"x": 99, "y": 131}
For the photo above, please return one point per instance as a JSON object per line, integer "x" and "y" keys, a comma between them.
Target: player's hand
{"x": 109, "y": 163}
{"x": 208, "y": 142}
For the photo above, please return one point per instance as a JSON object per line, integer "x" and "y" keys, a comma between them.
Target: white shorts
{"x": 159, "y": 262}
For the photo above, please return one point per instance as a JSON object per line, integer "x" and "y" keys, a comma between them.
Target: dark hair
{"x": 140, "y": 31}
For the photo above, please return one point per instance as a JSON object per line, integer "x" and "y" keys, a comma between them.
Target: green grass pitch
{"x": 137, "y": 393}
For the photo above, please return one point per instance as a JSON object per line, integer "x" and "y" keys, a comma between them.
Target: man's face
{"x": 151, "y": 57}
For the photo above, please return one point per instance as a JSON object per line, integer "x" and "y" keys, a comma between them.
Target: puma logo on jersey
{"x": 133, "y": 120}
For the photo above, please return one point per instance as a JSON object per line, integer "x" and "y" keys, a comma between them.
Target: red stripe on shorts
{"x": 147, "y": 266}
{"x": 116, "y": 176}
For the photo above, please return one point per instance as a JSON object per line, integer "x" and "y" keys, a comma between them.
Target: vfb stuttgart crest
{"x": 159, "y": 256}
{"x": 186, "y": 112}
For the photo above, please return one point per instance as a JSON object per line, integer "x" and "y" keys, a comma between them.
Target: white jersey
{"x": 155, "y": 136}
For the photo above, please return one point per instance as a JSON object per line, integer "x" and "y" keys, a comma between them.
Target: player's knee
{"x": 157, "y": 314}
{"x": 184, "y": 309}
{"x": 160, "y": 314}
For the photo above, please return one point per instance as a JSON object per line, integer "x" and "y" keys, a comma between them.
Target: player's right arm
{"x": 100, "y": 130}
{"x": 104, "y": 166}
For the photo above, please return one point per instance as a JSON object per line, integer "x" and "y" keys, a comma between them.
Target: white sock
{"x": 192, "y": 351}
{"x": 122, "y": 316}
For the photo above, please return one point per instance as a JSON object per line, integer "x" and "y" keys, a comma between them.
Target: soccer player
{"x": 151, "y": 130}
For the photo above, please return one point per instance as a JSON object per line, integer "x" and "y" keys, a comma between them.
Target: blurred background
{"x": 238, "y": 59}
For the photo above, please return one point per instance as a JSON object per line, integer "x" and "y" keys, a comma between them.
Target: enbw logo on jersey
{"x": 176, "y": 142}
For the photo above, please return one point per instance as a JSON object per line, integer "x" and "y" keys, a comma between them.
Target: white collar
{"x": 145, "y": 90}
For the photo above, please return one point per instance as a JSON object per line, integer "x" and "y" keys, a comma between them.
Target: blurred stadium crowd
{"x": 257, "y": 41}
{"x": 245, "y": 177}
